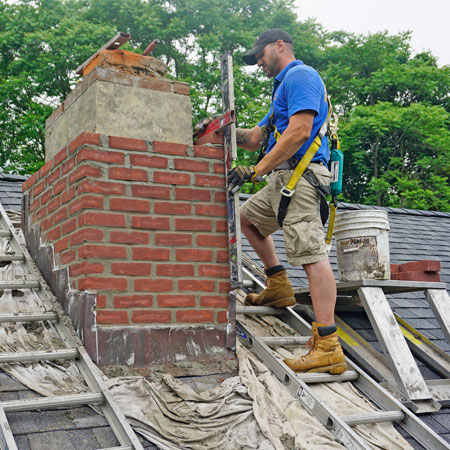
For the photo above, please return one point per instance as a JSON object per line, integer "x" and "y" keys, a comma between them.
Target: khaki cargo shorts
{"x": 304, "y": 235}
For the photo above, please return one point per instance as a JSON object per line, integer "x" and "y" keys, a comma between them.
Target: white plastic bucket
{"x": 362, "y": 245}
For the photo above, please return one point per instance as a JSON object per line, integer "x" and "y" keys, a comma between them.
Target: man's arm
{"x": 296, "y": 134}
{"x": 249, "y": 139}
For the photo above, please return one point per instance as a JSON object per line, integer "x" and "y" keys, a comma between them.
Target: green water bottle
{"x": 336, "y": 167}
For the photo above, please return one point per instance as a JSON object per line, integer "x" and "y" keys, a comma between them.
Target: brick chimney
{"x": 127, "y": 221}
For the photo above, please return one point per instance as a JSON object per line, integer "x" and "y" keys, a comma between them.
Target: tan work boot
{"x": 325, "y": 354}
{"x": 278, "y": 291}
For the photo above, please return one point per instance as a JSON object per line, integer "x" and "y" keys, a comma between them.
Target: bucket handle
{"x": 350, "y": 250}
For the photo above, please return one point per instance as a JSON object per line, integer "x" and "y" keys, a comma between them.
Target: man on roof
{"x": 298, "y": 110}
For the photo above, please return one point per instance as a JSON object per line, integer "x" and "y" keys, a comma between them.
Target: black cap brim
{"x": 250, "y": 57}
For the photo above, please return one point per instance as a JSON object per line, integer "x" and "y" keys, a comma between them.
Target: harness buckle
{"x": 286, "y": 192}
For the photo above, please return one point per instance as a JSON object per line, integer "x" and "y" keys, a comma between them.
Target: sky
{"x": 427, "y": 19}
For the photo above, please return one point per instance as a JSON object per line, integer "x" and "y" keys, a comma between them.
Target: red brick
{"x": 85, "y": 268}
{"x": 145, "y": 316}
{"x": 197, "y": 285}
{"x": 101, "y": 219}
{"x": 101, "y": 187}
{"x": 133, "y": 301}
{"x": 211, "y": 138}
{"x": 126, "y": 143}
{"x": 181, "y": 88}
{"x": 210, "y": 240}
{"x": 421, "y": 266}
{"x": 170, "y": 148}
{"x": 109, "y": 317}
{"x": 128, "y": 204}
{"x": 68, "y": 165}
{"x": 103, "y": 283}
{"x": 193, "y": 225}
{"x": 68, "y": 256}
{"x": 86, "y": 202}
{"x": 173, "y": 239}
{"x": 172, "y": 178}
{"x": 211, "y": 210}
{"x": 395, "y": 268}
{"x": 149, "y": 161}
{"x": 60, "y": 215}
{"x": 131, "y": 269}
{"x": 41, "y": 214}
{"x": 151, "y": 254}
{"x": 209, "y": 181}
{"x": 101, "y": 251}
{"x": 176, "y": 301}
{"x": 54, "y": 176}
{"x": 54, "y": 234}
{"x": 220, "y": 196}
{"x": 224, "y": 286}
{"x": 129, "y": 237}
{"x": 419, "y": 276}
{"x": 101, "y": 301}
{"x": 222, "y": 317}
{"x": 155, "y": 83}
{"x": 60, "y": 186}
{"x": 69, "y": 226}
{"x": 192, "y": 194}
{"x": 212, "y": 270}
{"x": 189, "y": 165}
{"x": 219, "y": 168}
{"x": 46, "y": 196}
{"x": 175, "y": 270}
{"x": 69, "y": 195}
{"x": 38, "y": 189}
{"x": 45, "y": 169}
{"x": 221, "y": 226}
{"x": 151, "y": 191}
{"x": 161, "y": 285}
{"x": 172, "y": 208}
{"x": 121, "y": 173}
{"x": 106, "y": 156}
{"x": 47, "y": 224}
{"x": 60, "y": 156}
{"x": 32, "y": 180}
{"x": 222, "y": 256}
{"x": 61, "y": 245}
{"x": 151, "y": 223}
{"x": 214, "y": 301}
{"x": 86, "y": 235}
{"x": 84, "y": 138}
{"x": 35, "y": 204}
{"x": 194, "y": 316}
{"x": 193, "y": 255}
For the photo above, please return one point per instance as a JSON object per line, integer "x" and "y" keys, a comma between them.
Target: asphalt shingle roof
{"x": 11, "y": 191}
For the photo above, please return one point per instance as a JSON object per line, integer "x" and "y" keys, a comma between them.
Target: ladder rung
{"x": 32, "y": 317}
{"x": 248, "y": 283}
{"x": 285, "y": 340}
{"x": 5, "y": 234}
{"x": 9, "y": 258}
{"x": 377, "y": 417}
{"x": 348, "y": 375}
{"x": 260, "y": 310}
{"x": 59, "y": 401}
{"x": 24, "y": 357}
{"x": 19, "y": 284}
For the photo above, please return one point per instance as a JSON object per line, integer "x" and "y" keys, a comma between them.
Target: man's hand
{"x": 240, "y": 175}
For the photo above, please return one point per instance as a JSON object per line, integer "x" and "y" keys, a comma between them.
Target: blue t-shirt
{"x": 296, "y": 88}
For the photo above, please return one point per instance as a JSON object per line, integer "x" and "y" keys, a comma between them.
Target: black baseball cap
{"x": 262, "y": 40}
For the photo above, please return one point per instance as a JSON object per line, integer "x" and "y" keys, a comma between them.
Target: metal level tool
{"x": 99, "y": 394}
{"x": 298, "y": 384}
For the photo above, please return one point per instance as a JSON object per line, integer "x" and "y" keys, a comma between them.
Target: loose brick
{"x": 54, "y": 234}
{"x": 84, "y": 138}
{"x": 173, "y": 239}
{"x": 162, "y": 192}
{"x": 209, "y": 181}
{"x": 149, "y": 161}
{"x": 133, "y": 301}
{"x": 101, "y": 219}
{"x": 192, "y": 194}
{"x": 87, "y": 235}
{"x": 170, "y": 148}
{"x": 129, "y": 237}
{"x": 214, "y": 301}
{"x": 175, "y": 270}
{"x": 181, "y": 88}
{"x": 126, "y": 143}
{"x": 395, "y": 268}
{"x": 85, "y": 268}
{"x": 172, "y": 208}
{"x": 112, "y": 317}
{"x": 194, "y": 316}
{"x": 144, "y": 316}
{"x": 101, "y": 187}
{"x": 68, "y": 166}
{"x": 60, "y": 186}
{"x": 211, "y": 240}
{"x": 60, "y": 156}
{"x": 151, "y": 254}
{"x": 211, "y": 210}
{"x": 172, "y": 178}
{"x": 222, "y": 317}
{"x": 191, "y": 166}
{"x": 38, "y": 189}
{"x": 150, "y": 223}
{"x": 193, "y": 225}
{"x": 421, "y": 266}
{"x": 131, "y": 269}
{"x": 121, "y": 173}
{"x": 202, "y": 151}
{"x": 101, "y": 251}
{"x": 197, "y": 285}
{"x": 101, "y": 301}
{"x": 61, "y": 245}
{"x": 86, "y": 202}
{"x": 128, "y": 204}
{"x": 213, "y": 270}
{"x": 419, "y": 276}
{"x": 215, "y": 137}
{"x": 161, "y": 285}
{"x": 176, "y": 301}
{"x": 155, "y": 83}
{"x": 106, "y": 156}
{"x": 69, "y": 226}
{"x": 193, "y": 255}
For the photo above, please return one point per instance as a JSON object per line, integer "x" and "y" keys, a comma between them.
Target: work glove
{"x": 240, "y": 175}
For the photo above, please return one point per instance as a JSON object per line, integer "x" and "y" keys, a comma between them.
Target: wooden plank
{"x": 440, "y": 304}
